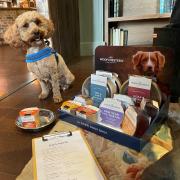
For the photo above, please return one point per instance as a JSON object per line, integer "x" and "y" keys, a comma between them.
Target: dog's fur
{"x": 29, "y": 31}
{"x": 148, "y": 63}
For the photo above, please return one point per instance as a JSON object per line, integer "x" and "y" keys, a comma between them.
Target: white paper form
{"x": 65, "y": 158}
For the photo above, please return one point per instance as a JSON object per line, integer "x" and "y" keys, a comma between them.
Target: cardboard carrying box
{"x": 121, "y": 60}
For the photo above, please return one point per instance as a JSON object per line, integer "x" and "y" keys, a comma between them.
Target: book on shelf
{"x": 115, "y": 8}
{"x": 111, "y": 8}
{"x": 114, "y": 36}
{"x": 118, "y": 37}
{"x": 166, "y": 6}
{"x": 121, "y": 37}
{"x": 111, "y": 36}
{"x": 173, "y": 4}
{"x": 125, "y": 37}
{"x": 161, "y": 6}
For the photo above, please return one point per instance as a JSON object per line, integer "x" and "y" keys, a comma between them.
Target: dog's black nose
{"x": 150, "y": 68}
{"x": 37, "y": 33}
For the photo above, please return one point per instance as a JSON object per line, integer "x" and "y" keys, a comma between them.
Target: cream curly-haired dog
{"x": 30, "y": 30}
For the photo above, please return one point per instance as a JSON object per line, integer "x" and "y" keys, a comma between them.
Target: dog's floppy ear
{"x": 161, "y": 60}
{"x": 12, "y": 36}
{"x": 50, "y": 28}
{"x": 136, "y": 59}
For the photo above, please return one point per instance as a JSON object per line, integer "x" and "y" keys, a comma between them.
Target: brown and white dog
{"x": 30, "y": 31}
{"x": 148, "y": 63}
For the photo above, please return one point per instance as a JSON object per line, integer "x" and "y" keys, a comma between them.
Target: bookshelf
{"x": 140, "y": 26}
{"x": 18, "y": 8}
{"x": 139, "y": 18}
{"x": 18, "y": 4}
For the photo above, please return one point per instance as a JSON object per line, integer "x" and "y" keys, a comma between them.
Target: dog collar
{"x": 43, "y": 53}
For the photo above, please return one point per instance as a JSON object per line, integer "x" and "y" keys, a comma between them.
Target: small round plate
{"x": 47, "y": 117}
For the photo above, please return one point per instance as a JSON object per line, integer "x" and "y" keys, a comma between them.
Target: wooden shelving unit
{"x": 139, "y": 18}
{"x": 12, "y": 4}
{"x": 110, "y": 21}
{"x": 17, "y": 8}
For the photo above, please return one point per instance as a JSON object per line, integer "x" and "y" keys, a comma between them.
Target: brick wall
{"x": 7, "y": 18}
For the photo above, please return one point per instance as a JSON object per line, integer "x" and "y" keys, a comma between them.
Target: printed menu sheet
{"x": 66, "y": 157}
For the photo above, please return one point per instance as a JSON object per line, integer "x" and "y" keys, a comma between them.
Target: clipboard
{"x": 65, "y": 155}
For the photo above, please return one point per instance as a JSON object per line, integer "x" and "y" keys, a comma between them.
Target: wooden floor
{"x": 12, "y": 74}
{"x": 19, "y": 90}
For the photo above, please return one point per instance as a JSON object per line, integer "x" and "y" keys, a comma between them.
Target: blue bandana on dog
{"x": 46, "y": 52}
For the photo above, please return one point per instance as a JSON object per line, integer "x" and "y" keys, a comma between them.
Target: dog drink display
{"x": 84, "y": 100}
{"x": 88, "y": 112}
{"x": 70, "y": 106}
{"x": 113, "y": 77}
{"x": 136, "y": 122}
{"x": 111, "y": 112}
{"x": 143, "y": 122}
{"x": 100, "y": 85}
{"x": 139, "y": 87}
{"x": 129, "y": 123}
{"x": 125, "y": 100}
{"x": 150, "y": 107}
{"x": 30, "y": 117}
{"x": 98, "y": 89}
{"x": 129, "y": 116}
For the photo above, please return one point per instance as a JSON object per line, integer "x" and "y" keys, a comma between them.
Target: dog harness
{"x": 43, "y": 53}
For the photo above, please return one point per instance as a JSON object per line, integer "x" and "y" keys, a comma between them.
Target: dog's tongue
{"x": 148, "y": 73}
{"x": 38, "y": 39}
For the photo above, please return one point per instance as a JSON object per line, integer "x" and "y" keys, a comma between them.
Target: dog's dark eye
{"x": 26, "y": 25}
{"x": 153, "y": 60}
{"x": 143, "y": 61}
{"x": 37, "y": 21}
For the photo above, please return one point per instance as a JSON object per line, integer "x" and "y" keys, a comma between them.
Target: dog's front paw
{"x": 43, "y": 96}
{"x": 57, "y": 99}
